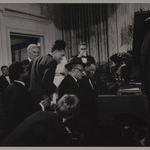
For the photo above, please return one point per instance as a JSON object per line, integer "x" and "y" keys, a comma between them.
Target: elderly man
{"x": 70, "y": 85}
{"x": 43, "y": 71}
{"x": 33, "y": 52}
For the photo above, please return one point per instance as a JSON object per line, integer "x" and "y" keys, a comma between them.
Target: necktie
{"x": 91, "y": 84}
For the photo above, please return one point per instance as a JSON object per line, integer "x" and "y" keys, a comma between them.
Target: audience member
{"x": 17, "y": 103}
{"x": 45, "y": 128}
{"x": 4, "y": 78}
{"x": 122, "y": 68}
{"x": 43, "y": 72}
{"x": 89, "y": 90}
{"x": 83, "y": 54}
{"x": 89, "y": 111}
{"x": 33, "y": 51}
{"x": 70, "y": 85}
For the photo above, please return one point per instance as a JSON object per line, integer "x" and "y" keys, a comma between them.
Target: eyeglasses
{"x": 79, "y": 70}
{"x": 83, "y": 48}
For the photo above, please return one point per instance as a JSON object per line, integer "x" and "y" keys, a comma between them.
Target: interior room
{"x": 116, "y": 36}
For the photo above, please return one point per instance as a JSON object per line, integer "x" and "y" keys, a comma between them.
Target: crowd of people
{"x": 49, "y": 101}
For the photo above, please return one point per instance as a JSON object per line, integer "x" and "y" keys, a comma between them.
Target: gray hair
{"x": 32, "y": 46}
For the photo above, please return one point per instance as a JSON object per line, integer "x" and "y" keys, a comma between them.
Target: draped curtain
{"x": 86, "y": 22}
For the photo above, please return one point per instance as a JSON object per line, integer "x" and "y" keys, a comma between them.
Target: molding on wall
{"x": 13, "y": 13}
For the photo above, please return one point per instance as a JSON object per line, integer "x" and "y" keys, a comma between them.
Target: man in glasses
{"x": 70, "y": 85}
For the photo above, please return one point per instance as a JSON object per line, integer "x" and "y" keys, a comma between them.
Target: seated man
{"x": 45, "y": 128}
{"x": 89, "y": 90}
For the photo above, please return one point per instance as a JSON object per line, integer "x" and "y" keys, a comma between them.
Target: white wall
{"x": 35, "y": 24}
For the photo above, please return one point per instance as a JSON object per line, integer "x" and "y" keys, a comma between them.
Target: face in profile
{"x": 5, "y": 71}
{"x": 78, "y": 71}
{"x": 58, "y": 55}
{"x": 34, "y": 53}
{"x": 90, "y": 70}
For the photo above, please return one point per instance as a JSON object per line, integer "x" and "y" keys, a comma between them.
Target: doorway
{"x": 19, "y": 44}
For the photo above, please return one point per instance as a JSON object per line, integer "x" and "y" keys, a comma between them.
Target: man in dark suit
{"x": 88, "y": 87}
{"x": 45, "y": 128}
{"x": 18, "y": 102}
{"x": 83, "y": 54}
{"x": 70, "y": 85}
{"x": 4, "y": 78}
{"x": 33, "y": 51}
{"x": 43, "y": 71}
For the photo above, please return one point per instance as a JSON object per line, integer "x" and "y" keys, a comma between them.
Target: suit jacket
{"x": 28, "y": 64}
{"x": 90, "y": 102}
{"x": 40, "y": 129}
{"x": 82, "y": 122}
{"x": 17, "y": 104}
{"x": 69, "y": 86}
{"x": 42, "y": 76}
{"x": 89, "y": 58}
{"x": 3, "y": 83}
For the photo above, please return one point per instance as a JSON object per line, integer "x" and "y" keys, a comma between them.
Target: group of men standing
{"x": 32, "y": 86}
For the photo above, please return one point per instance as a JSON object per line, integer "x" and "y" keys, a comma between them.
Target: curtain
{"x": 86, "y": 22}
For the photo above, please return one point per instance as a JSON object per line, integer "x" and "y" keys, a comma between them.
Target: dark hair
{"x": 3, "y": 67}
{"x": 73, "y": 62}
{"x": 82, "y": 43}
{"x": 59, "y": 45}
{"x": 15, "y": 69}
{"x": 89, "y": 63}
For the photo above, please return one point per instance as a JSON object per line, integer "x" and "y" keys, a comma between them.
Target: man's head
{"x": 33, "y": 51}
{"x": 90, "y": 69}
{"x": 67, "y": 106}
{"x": 17, "y": 71}
{"x": 58, "y": 50}
{"x": 4, "y": 70}
{"x": 75, "y": 68}
{"x": 82, "y": 48}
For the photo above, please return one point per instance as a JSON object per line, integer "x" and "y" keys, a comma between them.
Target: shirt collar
{"x": 20, "y": 82}
{"x": 29, "y": 59}
{"x": 51, "y": 54}
{"x": 73, "y": 77}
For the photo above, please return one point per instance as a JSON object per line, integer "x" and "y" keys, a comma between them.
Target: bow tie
{"x": 84, "y": 57}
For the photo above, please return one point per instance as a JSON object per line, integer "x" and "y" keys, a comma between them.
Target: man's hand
{"x": 46, "y": 102}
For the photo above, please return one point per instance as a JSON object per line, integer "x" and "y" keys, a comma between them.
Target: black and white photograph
{"x": 74, "y": 74}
